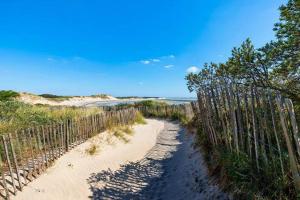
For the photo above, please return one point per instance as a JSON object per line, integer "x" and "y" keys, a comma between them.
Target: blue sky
{"x": 118, "y": 47}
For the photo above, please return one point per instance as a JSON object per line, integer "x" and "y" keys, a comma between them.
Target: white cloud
{"x": 192, "y": 69}
{"x": 168, "y": 66}
{"x": 155, "y": 60}
{"x": 146, "y": 62}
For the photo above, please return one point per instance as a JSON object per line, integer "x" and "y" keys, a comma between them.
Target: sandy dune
{"x": 72, "y": 101}
{"x": 68, "y": 178}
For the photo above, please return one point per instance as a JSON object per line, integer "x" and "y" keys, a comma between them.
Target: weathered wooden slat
{"x": 4, "y": 141}
{"x": 15, "y": 161}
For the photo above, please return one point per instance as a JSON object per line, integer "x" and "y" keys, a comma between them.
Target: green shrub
{"x": 150, "y": 104}
{"x": 6, "y": 95}
{"x": 103, "y": 96}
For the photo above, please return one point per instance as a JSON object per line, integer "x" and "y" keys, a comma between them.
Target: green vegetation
{"x": 150, "y": 104}
{"x": 127, "y": 129}
{"x": 6, "y": 95}
{"x": 103, "y": 96}
{"x": 122, "y": 132}
{"x": 159, "y": 109}
{"x": 16, "y": 115}
{"x": 55, "y": 97}
{"x": 247, "y": 123}
{"x": 139, "y": 119}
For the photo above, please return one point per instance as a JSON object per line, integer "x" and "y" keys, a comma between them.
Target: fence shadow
{"x": 136, "y": 180}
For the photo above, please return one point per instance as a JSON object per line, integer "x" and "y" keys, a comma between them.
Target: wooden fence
{"x": 168, "y": 111}
{"x": 25, "y": 154}
{"x": 256, "y": 122}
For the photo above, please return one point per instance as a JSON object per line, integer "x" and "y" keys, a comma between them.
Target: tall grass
{"x": 17, "y": 115}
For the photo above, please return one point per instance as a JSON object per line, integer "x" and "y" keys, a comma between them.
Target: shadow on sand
{"x": 166, "y": 172}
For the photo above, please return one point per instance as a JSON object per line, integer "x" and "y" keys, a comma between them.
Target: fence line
{"x": 27, "y": 153}
{"x": 253, "y": 121}
{"x": 168, "y": 111}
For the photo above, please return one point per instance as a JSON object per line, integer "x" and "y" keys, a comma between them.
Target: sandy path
{"x": 171, "y": 170}
{"x": 68, "y": 178}
{"x": 162, "y": 166}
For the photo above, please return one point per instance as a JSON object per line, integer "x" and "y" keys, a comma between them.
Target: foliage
{"x": 50, "y": 96}
{"x": 139, "y": 119}
{"x": 55, "y": 97}
{"x": 150, "y": 104}
{"x": 103, "y": 96}
{"x": 242, "y": 129}
{"x": 6, "y": 95}
{"x": 274, "y": 66}
{"x": 16, "y": 115}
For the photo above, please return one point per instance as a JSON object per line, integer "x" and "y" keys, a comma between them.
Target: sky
{"x": 123, "y": 48}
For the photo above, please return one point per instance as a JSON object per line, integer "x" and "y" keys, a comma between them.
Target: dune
{"x": 67, "y": 178}
{"x": 71, "y": 101}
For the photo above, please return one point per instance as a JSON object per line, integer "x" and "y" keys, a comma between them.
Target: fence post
{"x": 9, "y": 164}
{"x": 15, "y": 161}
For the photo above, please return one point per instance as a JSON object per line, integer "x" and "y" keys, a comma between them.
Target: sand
{"x": 159, "y": 163}
{"x": 173, "y": 169}
{"x": 72, "y": 101}
{"x": 68, "y": 177}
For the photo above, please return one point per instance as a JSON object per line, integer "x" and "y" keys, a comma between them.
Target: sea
{"x": 169, "y": 100}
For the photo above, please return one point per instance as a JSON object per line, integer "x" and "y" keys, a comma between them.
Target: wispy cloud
{"x": 65, "y": 59}
{"x": 168, "y": 66}
{"x": 155, "y": 60}
{"x": 192, "y": 69}
{"x": 146, "y": 62}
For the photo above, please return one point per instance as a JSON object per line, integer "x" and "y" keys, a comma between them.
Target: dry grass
{"x": 139, "y": 119}
{"x": 16, "y": 115}
{"x": 122, "y": 132}
{"x": 92, "y": 149}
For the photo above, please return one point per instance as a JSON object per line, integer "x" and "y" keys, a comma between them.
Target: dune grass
{"x": 139, "y": 119}
{"x": 92, "y": 149}
{"x": 16, "y": 115}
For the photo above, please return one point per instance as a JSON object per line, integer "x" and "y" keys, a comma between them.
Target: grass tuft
{"x": 139, "y": 119}
{"x": 92, "y": 150}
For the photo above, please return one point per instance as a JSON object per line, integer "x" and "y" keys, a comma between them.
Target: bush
{"x": 150, "y": 104}
{"x": 6, "y": 95}
{"x": 103, "y": 96}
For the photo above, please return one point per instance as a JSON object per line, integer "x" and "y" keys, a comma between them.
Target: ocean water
{"x": 169, "y": 100}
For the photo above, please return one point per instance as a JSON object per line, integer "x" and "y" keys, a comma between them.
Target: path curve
{"x": 171, "y": 170}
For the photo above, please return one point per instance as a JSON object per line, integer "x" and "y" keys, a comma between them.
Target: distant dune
{"x": 63, "y": 101}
